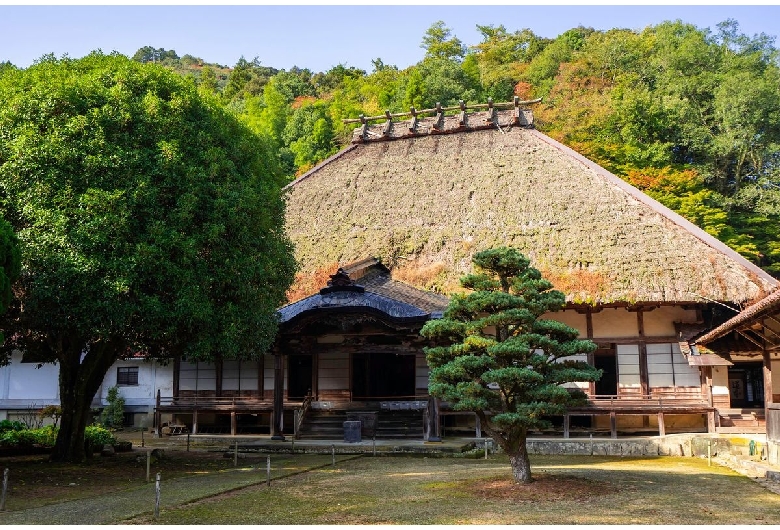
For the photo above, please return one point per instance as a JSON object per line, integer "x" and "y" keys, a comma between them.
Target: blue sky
{"x": 319, "y": 36}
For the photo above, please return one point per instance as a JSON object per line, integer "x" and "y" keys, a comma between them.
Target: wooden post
{"x": 5, "y": 490}
{"x": 195, "y": 421}
{"x": 188, "y": 442}
{"x": 661, "y": 425}
{"x": 233, "y": 422}
{"x": 613, "y": 424}
{"x": 268, "y": 471}
{"x": 477, "y": 427}
{"x": 333, "y": 452}
{"x": 157, "y": 416}
{"x": 566, "y": 425}
{"x": 277, "y": 425}
{"x": 148, "y": 464}
{"x": 235, "y": 456}
{"x": 433, "y": 420}
{"x": 157, "y": 497}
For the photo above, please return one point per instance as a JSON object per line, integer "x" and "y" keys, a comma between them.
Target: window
{"x": 127, "y": 376}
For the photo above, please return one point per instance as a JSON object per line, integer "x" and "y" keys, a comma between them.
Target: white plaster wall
{"x": 615, "y": 323}
{"x": 660, "y": 321}
{"x": 25, "y": 381}
{"x": 151, "y": 377}
{"x": 572, "y": 319}
{"x": 720, "y": 381}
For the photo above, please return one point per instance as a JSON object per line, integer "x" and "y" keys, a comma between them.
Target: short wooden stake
{"x": 5, "y": 489}
{"x": 374, "y": 444}
{"x": 188, "y": 442}
{"x": 293, "y": 444}
{"x": 333, "y": 452}
{"x": 486, "y": 449}
{"x": 148, "y": 464}
{"x": 268, "y": 471}
{"x": 157, "y": 497}
{"x": 709, "y": 452}
{"x": 591, "y": 444}
{"x": 142, "y": 435}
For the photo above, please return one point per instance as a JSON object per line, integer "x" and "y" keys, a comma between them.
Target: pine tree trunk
{"x": 521, "y": 464}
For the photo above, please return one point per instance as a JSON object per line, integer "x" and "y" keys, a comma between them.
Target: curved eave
{"x": 350, "y": 302}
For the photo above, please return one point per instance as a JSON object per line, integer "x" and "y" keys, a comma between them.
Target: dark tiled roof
{"x": 393, "y": 298}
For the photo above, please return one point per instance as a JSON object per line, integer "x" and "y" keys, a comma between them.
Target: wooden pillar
{"x": 232, "y": 422}
{"x": 661, "y": 425}
{"x": 613, "y": 424}
{"x": 643, "y": 377}
{"x": 711, "y": 422}
{"x": 176, "y": 376}
{"x": 277, "y": 425}
{"x": 477, "y": 426}
{"x": 195, "y": 421}
{"x": 157, "y": 415}
{"x": 591, "y": 355}
{"x": 566, "y": 418}
{"x": 767, "y": 381}
{"x": 218, "y": 376}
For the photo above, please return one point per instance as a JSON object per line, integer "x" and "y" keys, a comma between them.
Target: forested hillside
{"x": 689, "y": 115}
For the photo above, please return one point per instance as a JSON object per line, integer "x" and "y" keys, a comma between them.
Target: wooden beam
{"x": 566, "y": 425}
{"x": 661, "y": 425}
{"x": 711, "y": 422}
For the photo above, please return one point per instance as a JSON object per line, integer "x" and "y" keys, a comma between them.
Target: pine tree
{"x": 498, "y": 358}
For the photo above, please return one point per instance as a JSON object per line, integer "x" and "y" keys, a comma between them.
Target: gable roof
{"x": 436, "y": 195}
{"x": 375, "y": 292}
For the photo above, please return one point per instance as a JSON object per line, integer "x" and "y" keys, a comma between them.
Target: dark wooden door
{"x": 299, "y": 376}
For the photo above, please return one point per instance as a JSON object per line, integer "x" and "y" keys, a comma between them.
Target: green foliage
{"x": 98, "y": 436}
{"x": 150, "y": 217}
{"x": 51, "y": 411}
{"x": 113, "y": 415}
{"x": 8, "y": 425}
{"x": 43, "y": 437}
{"x": 10, "y": 264}
{"x": 499, "y": 358}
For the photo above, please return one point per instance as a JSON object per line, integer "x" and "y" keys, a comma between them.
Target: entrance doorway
{"x": 605, "y": 359}
{"x": 299, "y": 376}
{"x": 382, "y": 375}
{"x": 746, "y": 385}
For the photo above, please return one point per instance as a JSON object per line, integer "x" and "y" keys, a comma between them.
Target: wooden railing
{"x": 300, "y": 415}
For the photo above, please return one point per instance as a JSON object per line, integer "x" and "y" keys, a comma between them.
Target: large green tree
{"x": 500, "y": 359}
{"x": 150, "y": 221}
{"x": 10, "y": 264}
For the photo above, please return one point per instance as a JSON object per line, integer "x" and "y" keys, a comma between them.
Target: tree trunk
{"x": 521, "y": 465}
{"x": 79, "y": 381}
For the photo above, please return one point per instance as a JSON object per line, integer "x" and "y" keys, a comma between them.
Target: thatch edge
{"x": 659, "y": 208}
{"x": 758, "y": 310}
{"x": 320, "y": 165}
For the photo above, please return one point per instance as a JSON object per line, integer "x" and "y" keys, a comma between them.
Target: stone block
{"x": 352, "y": 431}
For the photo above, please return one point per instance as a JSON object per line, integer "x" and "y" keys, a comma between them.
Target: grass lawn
{"x": 567, "y": 490}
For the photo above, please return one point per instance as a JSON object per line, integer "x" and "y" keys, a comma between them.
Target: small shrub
{"x": 113, "y": 415}
{"x": 98, "y": 436}
{"x": 8, "y": 425}
{"x": 43, "y": 437}
{"x": 51, "y": 411}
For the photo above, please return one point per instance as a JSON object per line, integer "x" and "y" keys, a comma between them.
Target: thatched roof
{"x": 426, "y": 199}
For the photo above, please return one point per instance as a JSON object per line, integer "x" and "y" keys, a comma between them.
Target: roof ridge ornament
{"x": 341, "y": 282}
